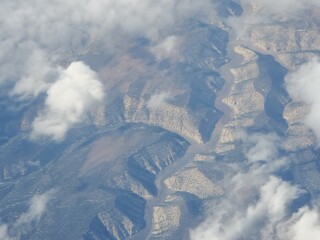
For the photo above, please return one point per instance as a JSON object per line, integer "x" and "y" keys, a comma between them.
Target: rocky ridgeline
{"x": 292, "y": 42}
{"x": 125, "y": 219}
{"x": 171, "y": 217}
{"x": 188, "y": 190}
{"x": 113, "y": 182}
{"x": 138, "y": 184}
{"x": 257, "y": 98}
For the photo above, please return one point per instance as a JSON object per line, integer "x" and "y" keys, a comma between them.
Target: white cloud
{"x": 38, "y": 204}
{"x": 304, "y": 85}
{"x": 4, "y": 235}
{"x": 35, "y": 34}
{"x": 255, "y": 221}
{"x": 262, "y": 160}
{"x": 256, "y": 202}
{"x": 37, "y": 77}
{"x": 37, "y": 207}
{"x": 167, "y": 48}
{"x": 260, "y": 146}
{"x": 157, "y": 100}
{"x": 68, "y": 100}
{"x": 305, "y": 224}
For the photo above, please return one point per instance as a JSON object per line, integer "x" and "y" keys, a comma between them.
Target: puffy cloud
{"x": 158, "y": 99}
{"x": 38, "y": 204}
{"x": 256, "y": 203}
{"x": 37, "y": 207}
{"x": 37, "y": 77}
{"x": 305, "y": 224}
{"x": 255, "y": 221}
{"x": 262, "y": 160}
{"x": 260, "y": 146}
{"x": 304, "y": 85}
{"x": 4, "y": 235}
{"x": 68, "y": 100}
{"x": 167, "y": 48}
{"x": 36, "y": 34}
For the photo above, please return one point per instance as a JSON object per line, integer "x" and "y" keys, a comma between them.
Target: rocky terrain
{"x": 148, "y": 163}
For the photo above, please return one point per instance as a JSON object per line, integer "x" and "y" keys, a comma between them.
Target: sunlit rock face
{"x": 152, "y": 158}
